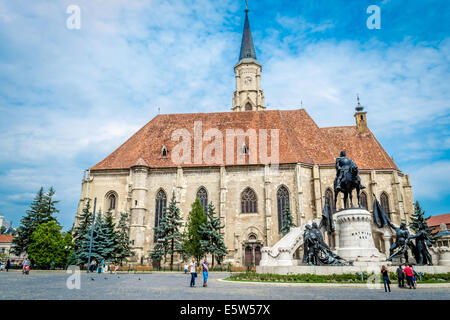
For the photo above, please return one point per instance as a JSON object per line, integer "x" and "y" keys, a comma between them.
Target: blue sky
{"x": 68, "y": 98}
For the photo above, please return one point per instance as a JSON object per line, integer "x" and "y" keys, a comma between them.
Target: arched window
{"x": 111, "y": 200}
{"x": 202, "y": 195}
{"x": 384, "y": 201}
{"x": 248, "y": 201}
{"x": 161, "y": 200}
{"x": 248, "y": 107}
{"x": 244, "y": 148}
{"x": 329, "y": 196}
{"x": 282, "y": 202}
{"x": 164, "y": 151}
{"x": 363, "y": 200}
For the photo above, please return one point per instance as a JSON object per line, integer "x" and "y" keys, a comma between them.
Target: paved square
{"x": 52, "y": 285}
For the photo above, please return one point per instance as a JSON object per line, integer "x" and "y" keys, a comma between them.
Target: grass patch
{"x": 332, "y": 278}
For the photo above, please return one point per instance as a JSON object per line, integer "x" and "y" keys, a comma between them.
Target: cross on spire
{"x": 359, "y": 107}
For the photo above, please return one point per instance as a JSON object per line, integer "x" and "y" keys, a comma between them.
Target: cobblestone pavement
{"x": 52, "y": 285}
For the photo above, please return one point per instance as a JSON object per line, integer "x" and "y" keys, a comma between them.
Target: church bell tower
{"x": 248, "y": 95}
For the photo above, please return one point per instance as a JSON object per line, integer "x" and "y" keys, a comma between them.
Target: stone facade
{"x": 137, "y": 187}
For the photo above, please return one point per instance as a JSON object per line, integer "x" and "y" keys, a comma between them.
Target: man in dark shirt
{"x": 401, "y": 277}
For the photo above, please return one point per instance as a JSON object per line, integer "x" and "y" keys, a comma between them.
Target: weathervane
{"x": 359, "y": 107}
{"x": 246, "y": 8}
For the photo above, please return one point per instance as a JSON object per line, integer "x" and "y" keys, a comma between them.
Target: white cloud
{"x": 431, "y": 180}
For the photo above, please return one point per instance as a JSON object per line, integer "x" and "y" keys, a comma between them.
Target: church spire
{"x": 247, "y": 47}
{"x": 248, "y": 95}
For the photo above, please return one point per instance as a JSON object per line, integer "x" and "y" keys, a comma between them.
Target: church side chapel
{"x": 247, "y": 190}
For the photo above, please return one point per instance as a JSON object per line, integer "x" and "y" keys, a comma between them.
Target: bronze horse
{"x": 350, "y": 181}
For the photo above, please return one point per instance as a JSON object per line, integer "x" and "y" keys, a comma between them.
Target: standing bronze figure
{"x": 399, "y": 249}
{"x": 347, "y": 179}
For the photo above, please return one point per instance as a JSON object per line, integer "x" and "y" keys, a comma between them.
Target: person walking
{"x": 192, "y": 270}
{"x": 409, "y": 276}
{"x": 401, "y": 277}
{"x": 8, "y": 265}
{"x": 26, "y": 266}
{"x": 205, "y": 270}
{"x": 186, "y": 268}
{"x": 386, "y": 280}
{"x": 414, "y": 278}
{"x": 92, "y": 266}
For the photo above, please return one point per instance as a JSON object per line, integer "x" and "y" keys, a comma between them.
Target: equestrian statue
{"x": 347, "y": 179}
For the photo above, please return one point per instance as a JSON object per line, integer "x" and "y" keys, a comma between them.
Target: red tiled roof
{"x": 437, "y": 220}
{"x": 300, "y": 140}
{"x": 6, "y": 238}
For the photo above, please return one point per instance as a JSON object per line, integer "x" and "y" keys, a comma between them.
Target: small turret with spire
{"x": 360, "y": 117}
{"x": 248, "y": 95}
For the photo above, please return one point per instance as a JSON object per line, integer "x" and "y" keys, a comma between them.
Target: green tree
{"x": 49, "y": 206}
{"x": 2, "y": 230}
{"x": 47, "y": 246}
{"x": 196, "y": 219}
{"x": 123, "y": 249}
{"x": 102, "y": 241}
{"x": 418, "y": 222}
{"x": 69, "y": 247}
{"x": 41, "y": 211}
{"x": 212, "y": 241}
{"x": 287, "y": 221}
{"x": 81, "y": 237}
{"x": 168, "y": 231}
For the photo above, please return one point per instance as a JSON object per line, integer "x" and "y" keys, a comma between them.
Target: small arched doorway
{"x": 252, "y": 251}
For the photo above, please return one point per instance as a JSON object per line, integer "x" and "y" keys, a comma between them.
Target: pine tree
{"x": 82, "y": 236}
{"x": 418, "y": 222}
{"x": 41, "y": 211}
{"x": 49, "y": 206}
{"x": 111, "y": 233}
{"x": 103, "y": 240}
{"x": 84, "y": 222}
{"x": 287, "y": 221}
{"x": 123, "y": 249}
{"x": 212, "y": 241}
{"x": 168, "y": 232}
{"x": 196, "y": 219}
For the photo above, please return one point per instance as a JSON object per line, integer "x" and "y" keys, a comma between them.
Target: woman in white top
{"x": 192, "y": 269}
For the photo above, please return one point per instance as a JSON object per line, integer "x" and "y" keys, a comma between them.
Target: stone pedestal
{"x": 355, "y": 237}
{"x": 444, "y": 258}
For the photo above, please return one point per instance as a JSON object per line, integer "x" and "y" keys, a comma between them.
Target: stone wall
{"x": 137, "y": 187}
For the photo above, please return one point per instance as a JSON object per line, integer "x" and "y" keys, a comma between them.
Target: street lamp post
{"x": 92, "y": 235}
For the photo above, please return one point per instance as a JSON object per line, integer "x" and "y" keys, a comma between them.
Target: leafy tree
{"x": 47, "y": 245}
{"x": 196, "y": 219}
{"x": 69, "y": 246}
{"x": 41, "y": 211}
{"x": 168, "y": 231}
{"x": 212, "y": 239}
{"x": 2, "y": 230}
{"x": 123, "y": 249}
{"x": 287, "y": 221}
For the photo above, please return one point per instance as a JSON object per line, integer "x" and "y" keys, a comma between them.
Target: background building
{"x": 442, "y": 222}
